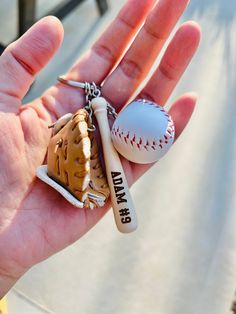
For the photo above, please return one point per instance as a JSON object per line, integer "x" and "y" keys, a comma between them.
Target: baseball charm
{"x": 143, "y": 132}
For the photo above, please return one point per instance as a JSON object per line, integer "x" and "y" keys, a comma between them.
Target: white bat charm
{"x": 122, "y": 204}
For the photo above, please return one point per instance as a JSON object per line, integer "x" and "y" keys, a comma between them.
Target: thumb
{"x": 24, "y": 58}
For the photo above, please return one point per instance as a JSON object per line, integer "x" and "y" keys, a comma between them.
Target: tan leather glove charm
{"x": 74, "y": 167}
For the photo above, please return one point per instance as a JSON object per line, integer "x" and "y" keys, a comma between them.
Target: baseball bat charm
{"x": 122, "y": 204}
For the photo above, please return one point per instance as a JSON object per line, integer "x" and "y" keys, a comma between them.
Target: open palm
{"x": 35, "y": 221}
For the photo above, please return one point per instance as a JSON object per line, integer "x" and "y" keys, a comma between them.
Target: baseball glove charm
{"x": 73, "y": 162}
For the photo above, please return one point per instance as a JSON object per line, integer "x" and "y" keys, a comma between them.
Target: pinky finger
{"x": 181, "y": 112}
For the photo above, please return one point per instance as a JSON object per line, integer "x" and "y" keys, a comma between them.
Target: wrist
{"x": 7, "y": 281}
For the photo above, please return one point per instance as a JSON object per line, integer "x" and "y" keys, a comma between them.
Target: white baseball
{"x": 143, "y": 132}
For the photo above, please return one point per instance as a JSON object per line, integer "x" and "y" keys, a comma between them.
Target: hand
{"x": 35, "y": 221}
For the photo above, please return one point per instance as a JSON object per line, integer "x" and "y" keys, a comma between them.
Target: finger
{"x": 109, "y": 48}
{"x": 24, "y": 58}
{"x": 181, "y": 112}
{"x": 99, "y": 60}
{"x": 173, "y": 64}
{"x": 143, "y": 52}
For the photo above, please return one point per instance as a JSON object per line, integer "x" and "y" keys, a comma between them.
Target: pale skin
{"x": 35, "y": 221}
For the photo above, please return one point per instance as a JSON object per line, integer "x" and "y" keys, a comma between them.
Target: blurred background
{"x": 182, "y": 258}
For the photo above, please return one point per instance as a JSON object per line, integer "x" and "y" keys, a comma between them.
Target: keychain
{"x": 143, "y": 132}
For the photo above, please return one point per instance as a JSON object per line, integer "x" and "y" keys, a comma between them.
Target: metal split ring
{"x": 91, "y": 91}
{"x": 90, "y": 88}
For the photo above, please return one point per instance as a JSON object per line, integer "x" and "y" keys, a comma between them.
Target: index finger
{"x": 109, "y": 48}
{"x": 97, "y": 63}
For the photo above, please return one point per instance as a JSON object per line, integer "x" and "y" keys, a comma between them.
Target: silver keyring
{"x": 91, "y": 91}
{"x": 63, "y": 80}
